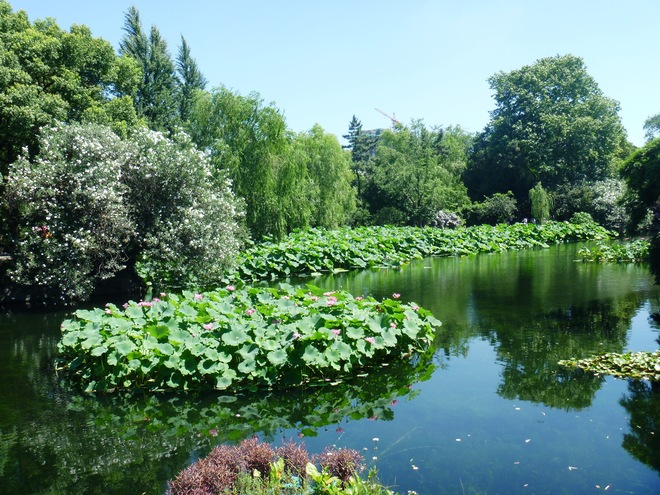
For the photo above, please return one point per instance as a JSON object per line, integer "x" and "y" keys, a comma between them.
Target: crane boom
{"x": 393, "y": 119}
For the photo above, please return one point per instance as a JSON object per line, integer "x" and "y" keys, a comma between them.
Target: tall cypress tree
{"x": 190, "y": 79}
{"x": 156, "y": 93}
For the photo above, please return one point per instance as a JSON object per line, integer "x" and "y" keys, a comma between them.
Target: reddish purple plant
{"x": 342, "y": 463}
{"x": 295, "y": 457}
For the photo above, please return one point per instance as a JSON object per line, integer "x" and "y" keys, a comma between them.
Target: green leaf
{"x": 277, "y": 357}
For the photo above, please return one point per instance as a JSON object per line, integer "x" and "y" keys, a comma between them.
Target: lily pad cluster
{"x": 318, "y": 250}
{"x": 636, "y": 251}
{"x": 636, "y": 365}
{"x": 238, "y": 338}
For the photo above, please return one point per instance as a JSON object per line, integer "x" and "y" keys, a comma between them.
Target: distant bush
{"x": 446, "y": 220}
{"x": 493, "y": 210}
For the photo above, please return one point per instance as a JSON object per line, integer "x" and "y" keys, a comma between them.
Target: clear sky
{"x": 323, "y": 61}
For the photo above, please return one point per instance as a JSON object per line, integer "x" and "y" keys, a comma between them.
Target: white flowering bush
{"x": 92, "y": 204}
{"x": 70, "y": 220}
{"x": 188, "y": 222}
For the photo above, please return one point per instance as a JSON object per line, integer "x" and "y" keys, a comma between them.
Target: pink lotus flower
{"x": 371, "y": 340}
{"x": 108, "y": 311}
{"x": 335, "y": 331}
{"x": 396, "y": 295}
{"x": 392, "y": 325}
{"x": 145, "y": 304}
{"x": 231, "y": 288}
{"x": 162, "y": 294}
{"x": 359, "y": 298}
{"x": 332, "y": 300}
{"x": 249, "y": 311}
{"x": 208, "y": 326}
{"x": 198, "y": 297}
{"x": 314, "y": 298}
{"x": 296, "y": 335}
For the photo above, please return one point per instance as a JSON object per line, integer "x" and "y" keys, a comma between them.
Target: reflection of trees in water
{"x": 71, "y": 443}
{"x": 530, "y": 351}
{"x": 643, "y": 406}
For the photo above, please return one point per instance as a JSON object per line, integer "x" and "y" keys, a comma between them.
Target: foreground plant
{"x": 253, "y": 468}
{"x": 636, "y": 365}
{"x": 239, "y": 338}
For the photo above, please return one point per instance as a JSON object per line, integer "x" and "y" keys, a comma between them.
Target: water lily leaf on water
{"x": 277, "y": 357}
{"x": 165, "y": 349}
{"x": 311, "y": 354}
{"x": 125, "y": 347}
{"x": 234, "y": 337}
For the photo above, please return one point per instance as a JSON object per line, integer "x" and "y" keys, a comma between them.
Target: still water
{"x": 489, "y": 412}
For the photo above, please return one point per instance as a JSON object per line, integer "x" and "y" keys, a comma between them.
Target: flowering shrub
{"x": 238, "y": 338}
{"x": 188, "y": 229}
{"x": 92, "y": 204}
{"x": 72, "y": 223}
{"x": 446, "y": 220}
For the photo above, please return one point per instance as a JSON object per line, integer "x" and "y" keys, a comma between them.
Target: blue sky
{"x": 323, "y": 61}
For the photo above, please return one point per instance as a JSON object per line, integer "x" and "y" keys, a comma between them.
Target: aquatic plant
{"x": 636, "y": 365}
{"x": 317, "y": 250}
{"x": 235, "y": 338}
{"x": 231, "y": 469}
{"x": 628, "y": 252}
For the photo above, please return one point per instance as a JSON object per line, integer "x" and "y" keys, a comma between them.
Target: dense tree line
{"x": 554, "y": 147}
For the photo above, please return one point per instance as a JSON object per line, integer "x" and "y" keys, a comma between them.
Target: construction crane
{"x": 393, "y": 119}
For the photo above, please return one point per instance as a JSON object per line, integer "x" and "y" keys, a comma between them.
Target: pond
{"x": 489, "y": 412}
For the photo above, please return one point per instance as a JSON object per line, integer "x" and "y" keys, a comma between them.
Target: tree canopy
{"x": 551, "y": 124}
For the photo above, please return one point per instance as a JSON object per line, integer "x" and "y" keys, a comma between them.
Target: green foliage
{"x": 412, "y": 173}
{"x": 190, "y": 80}
{"x": 92, "y": 204}
{"x": 496, "y": 209}
{"x": 652, "y": 127}
{"x": 237, "y": 338}
{"x": 287, "y": 181}
{"x": 362, "y": 146}
{"x": 551, "y": 124}
{"x": 155, "y": 96}
{"x": 246, "y": 140}
{"x": 641, "y": 172}
{"x": 600, "y": 199}
{"x": 317, "y": 250}
{"x": 581, "y": 217}
{"x": 541, "y": 203}
{"x": 635, "y": 365}
{"x": 328, "y": 167}
{"x": 47, "y": 75}
{"x": 629, "y": 252}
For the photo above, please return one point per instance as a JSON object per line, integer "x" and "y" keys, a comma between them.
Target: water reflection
{"x": 54, "y": 441}
{"x": 535, "y": 308}
{"x": 507, "y": 320}
{"x": 643, "y": 405}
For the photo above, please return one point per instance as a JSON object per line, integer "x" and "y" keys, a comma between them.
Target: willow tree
{"x": 541, "y": 203}
{"x": 245, "y": 138}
